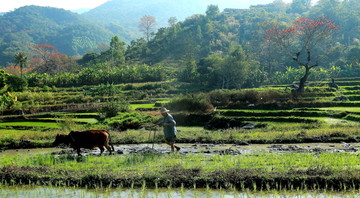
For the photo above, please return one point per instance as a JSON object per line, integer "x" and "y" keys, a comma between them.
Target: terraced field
{"x": 283, "y": 127}
{"x": 79, "y": 106}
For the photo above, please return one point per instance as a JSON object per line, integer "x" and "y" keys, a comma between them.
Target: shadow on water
{"x": 55, "y": 192}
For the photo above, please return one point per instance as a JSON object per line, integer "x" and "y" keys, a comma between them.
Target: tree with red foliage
{"x": 15, "y": 70}
{"x": 46, "y": 59}
{"x": 300, "y": 41}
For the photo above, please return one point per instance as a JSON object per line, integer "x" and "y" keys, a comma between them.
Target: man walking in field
{"x": 168, "y": 123}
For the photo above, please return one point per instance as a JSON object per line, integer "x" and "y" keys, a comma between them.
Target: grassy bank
{"x": 274, "y": 133}
{"x": 258, "y": 171}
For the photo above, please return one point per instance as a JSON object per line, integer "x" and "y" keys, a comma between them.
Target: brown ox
{"x": 86, "y": 139}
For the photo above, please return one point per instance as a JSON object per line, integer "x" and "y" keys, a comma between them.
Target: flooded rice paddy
{"x": 207, "y": 149}
{"x": 55, "y": 192}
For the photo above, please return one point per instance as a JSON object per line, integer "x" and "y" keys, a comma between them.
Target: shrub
{"x": 16, "y": 83}
{"x": 133, "y": 120}
{"x": 111, "y": 108}
{"x": 67, "y": 124}
{"x": 219, "y": 97}
{"x": 272, "y": 96}
{"x": 103, "y": 90}
{"x": 191, "y": 103}
{"x": 225, "y": 98}
{"x": 7, "y": 101}
{"x": 40, "y": 97}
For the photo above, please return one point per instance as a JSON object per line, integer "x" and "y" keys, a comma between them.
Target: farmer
{"x": 168, "y": 123}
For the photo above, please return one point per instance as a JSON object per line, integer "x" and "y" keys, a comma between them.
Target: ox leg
{"x": 108, "y": 148}
{"x": 78, "y": 151}
{"x": 101, "y": 149}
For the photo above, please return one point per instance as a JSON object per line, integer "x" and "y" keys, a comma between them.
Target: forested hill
{"x": 201, "y": 35}
{"x": 27, "y": 26}
{"x": 127, "y": 13}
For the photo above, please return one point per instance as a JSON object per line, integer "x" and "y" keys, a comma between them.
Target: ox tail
{"x": 109, "y": 141}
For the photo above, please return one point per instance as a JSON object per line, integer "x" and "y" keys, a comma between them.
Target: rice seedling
{"x": 270, "y": 168}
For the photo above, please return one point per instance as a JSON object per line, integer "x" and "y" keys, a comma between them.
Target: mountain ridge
{"x": 30, "y": 25}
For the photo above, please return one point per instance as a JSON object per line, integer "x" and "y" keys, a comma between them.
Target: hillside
{"x": 70, "y": 33}
{"x": 127, "y": 13}
{"x": 123, "y": 13}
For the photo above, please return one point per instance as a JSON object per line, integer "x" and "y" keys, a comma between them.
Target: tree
{"x": 234, "y": 68}
{"x": 3, "y": 76}
{"x": 46, "y": 59}
{"x": 172, "y": 21}
{"x": 117, "y": 49}
{"x": 300, "y": 6}
{"x": 21, "y": 60}
{"x": 89, "y": 57}
{"x": 136, "y": 51}
{"x": 206, "y": 69}
{"x": 212, "y": 11}
{"x": 16, "y": 83}
{"x": 189, "y": 74}
{"x": 300, "y": 41}
{"x": 147, "y": 26}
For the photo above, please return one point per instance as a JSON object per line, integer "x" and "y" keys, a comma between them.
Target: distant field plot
{"x": 338, "y": 121}
{"x": 349, "y": 109}
{"x": 82, "y": 120}
{"x": 6, "y": 134}
{"x": 136, "y": 106}
{"x": 148, "y": 105}
{"x": 31, "y": 124}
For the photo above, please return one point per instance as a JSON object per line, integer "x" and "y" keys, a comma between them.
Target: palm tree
{"x": 21, "y": 60}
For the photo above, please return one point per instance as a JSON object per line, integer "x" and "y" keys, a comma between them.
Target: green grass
{"x": 275, "y": 132}
{"x": 143, "y": 163}
{"x": 26, "y": 138}
{"x": 257, "y": 171}
{"x": 31, "y": 124}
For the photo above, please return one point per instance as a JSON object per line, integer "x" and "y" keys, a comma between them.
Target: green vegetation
{"x": 258, "y": 171}
{"x": 270, "y": 110}
{"x": 208, "y": 51}
{"x": 125, "y": 121}
{"x": 223, "y": 79}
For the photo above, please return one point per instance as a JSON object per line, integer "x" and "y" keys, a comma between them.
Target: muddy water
{"x": 207, "y": 149}
{"x": 231, "y": 149}
{"x": 35, "y": 191}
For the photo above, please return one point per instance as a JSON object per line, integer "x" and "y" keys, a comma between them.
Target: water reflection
{"x": 54, "y": 192}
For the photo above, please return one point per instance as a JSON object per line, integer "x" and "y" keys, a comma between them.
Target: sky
{"x": 10, "y": 5}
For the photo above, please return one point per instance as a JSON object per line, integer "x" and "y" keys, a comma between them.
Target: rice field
{"x": 259, "y": 174}
{"x": 59, "y": 192}
{"x": 256, "y": 172}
